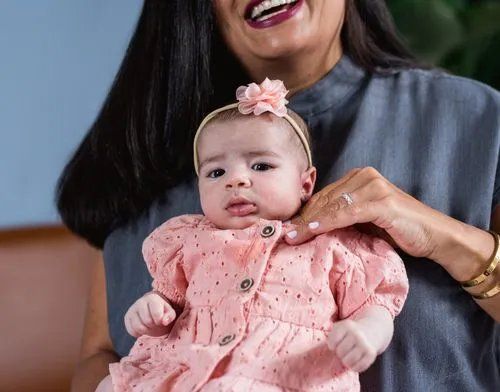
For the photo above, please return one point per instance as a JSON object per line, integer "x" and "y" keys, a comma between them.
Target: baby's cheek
{"x": 208, "y": 203}
{"x": 282, "y": 201}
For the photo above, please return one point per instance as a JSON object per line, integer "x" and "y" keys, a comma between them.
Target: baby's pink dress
{"x": 256, "y": 311}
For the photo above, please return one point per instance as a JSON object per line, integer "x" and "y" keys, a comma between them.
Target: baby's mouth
{"x": 241, "y": 207}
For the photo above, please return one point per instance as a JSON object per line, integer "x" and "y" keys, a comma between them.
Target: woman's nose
{"x": 239, "y": 181}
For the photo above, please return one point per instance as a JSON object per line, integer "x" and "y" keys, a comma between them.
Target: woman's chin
{"x": 280, "y": 40}
{"x": 278, "y": 47}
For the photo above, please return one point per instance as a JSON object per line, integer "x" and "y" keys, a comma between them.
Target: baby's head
{"x": 252, "y": 166}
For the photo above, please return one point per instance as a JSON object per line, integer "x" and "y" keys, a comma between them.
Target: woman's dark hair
{"x": 175, "y": 70}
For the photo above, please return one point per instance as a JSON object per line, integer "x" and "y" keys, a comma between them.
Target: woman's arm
{"x": 365, "y": 196}
{"x": 490, "y": 305}
{"x": 96, "y": 350}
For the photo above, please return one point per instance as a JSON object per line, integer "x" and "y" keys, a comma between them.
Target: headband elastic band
{"x": 211, "y": 115}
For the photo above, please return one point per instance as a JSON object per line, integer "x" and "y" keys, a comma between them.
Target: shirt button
{"x": 226, "y": 339}
{"x": 267, "y": 231}
{"x": 246, "y": 284}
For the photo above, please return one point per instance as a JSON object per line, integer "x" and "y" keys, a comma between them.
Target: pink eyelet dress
{"x": 256, "y": 311}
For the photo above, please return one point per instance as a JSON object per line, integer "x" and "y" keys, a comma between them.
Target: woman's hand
{"x": 149, "y": 315}
{"x": 365, "y": 196}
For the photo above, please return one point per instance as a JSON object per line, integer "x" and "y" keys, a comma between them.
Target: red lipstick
{"x": 271, "y": 16}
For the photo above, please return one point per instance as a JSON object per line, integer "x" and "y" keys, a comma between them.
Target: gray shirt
{"x": 435, "y": 136}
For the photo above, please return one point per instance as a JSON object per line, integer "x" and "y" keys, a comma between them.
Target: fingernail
{"x": 292, "y": 234}
{"x": 313, "y": 225}
{"x": 287, "y": 222}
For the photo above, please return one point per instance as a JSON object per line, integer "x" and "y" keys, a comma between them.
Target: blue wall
{"x": 57, "y": 61}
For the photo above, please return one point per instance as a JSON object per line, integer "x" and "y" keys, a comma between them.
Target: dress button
{"x": 246, "y": 284}
{"x": 267, "y": 231}
{"x": 226, "y": 339}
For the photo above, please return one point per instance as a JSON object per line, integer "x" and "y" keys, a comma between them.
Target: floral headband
{"x": 269, "y": 96}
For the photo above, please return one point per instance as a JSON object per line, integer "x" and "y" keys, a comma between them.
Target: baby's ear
{"x": 308, "y": 179}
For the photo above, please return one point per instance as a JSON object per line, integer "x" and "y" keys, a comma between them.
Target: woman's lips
{"x": 285, "y": 14}
{"x": 241, "y": 209}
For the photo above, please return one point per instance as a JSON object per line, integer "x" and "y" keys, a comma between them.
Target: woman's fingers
{"x": 299, "y": 232}
{"x": 377, "y": 212}
{"x": 346, "y": 205}
{"x": 319, "y": 221}
{"x": 331, "y": 192}
{"x": 367, "y": 197}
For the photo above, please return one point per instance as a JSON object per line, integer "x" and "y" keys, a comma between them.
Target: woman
{"x": 434, "y": 136}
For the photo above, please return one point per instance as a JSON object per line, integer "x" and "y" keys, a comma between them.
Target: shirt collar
{"x": 336, "y": 86}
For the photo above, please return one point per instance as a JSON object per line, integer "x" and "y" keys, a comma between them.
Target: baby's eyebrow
{"x": 212, "y": 159}
{"x": 261, "y": 153}
{"x": 248, "y": 154}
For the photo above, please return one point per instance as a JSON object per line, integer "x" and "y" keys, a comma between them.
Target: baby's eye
{"x": 216, "y": 173}
{"x": 261, "y": 166}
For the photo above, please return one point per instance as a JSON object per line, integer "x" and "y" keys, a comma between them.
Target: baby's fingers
{"x": 341, "y": 330}
{"x": 335, "y": 337}
{"x": 145, "y": 316}
{"x": 156, "y": 311}
{"x": 168, "y": 314}
{"x": 345, "y": 346}
{"x": 160, "y": 310}
{"x": 134, "y": 325}
{"x": 128, "y": 327}
{"x": 352, "y": 357}
{"x": 364, "y": 363}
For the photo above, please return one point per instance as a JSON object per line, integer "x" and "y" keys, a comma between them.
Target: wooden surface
{"x": 44, "y": 280}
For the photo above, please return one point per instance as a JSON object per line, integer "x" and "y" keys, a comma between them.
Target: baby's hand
{"x": 349, "y": 342}
{"x": 149, "y": 315}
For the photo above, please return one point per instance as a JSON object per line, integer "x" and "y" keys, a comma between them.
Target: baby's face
{"x": 251, "y": 168}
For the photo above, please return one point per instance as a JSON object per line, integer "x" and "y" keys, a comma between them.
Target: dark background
{"x": 462, "y": 36}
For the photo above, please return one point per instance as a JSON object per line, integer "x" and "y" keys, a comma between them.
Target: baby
{"x": 233, "y": 306}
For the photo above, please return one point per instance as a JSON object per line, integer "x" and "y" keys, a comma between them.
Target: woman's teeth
{"x": 267, "y": 5}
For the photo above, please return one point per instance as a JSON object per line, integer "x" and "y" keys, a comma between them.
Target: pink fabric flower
{"x": 269, "y": 96}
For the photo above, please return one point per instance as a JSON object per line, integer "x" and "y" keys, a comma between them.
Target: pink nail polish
{"x": 313, "y": 225}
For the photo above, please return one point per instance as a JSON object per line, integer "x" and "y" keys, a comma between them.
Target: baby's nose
{"x": 238, "y": 182}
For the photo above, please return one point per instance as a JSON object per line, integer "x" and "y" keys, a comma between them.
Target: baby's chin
{"x": 237, "y": 223}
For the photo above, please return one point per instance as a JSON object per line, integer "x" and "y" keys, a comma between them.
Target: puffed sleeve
{"x": 367, "y": 271}
{"x": 162, "y": 251}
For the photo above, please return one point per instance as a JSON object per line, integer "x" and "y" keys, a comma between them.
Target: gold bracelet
{"x": 492, "y": 264}
{"x": 488, "y": 294}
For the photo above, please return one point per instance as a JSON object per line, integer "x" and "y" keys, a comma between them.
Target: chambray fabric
{"x": 433, "y": 135}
